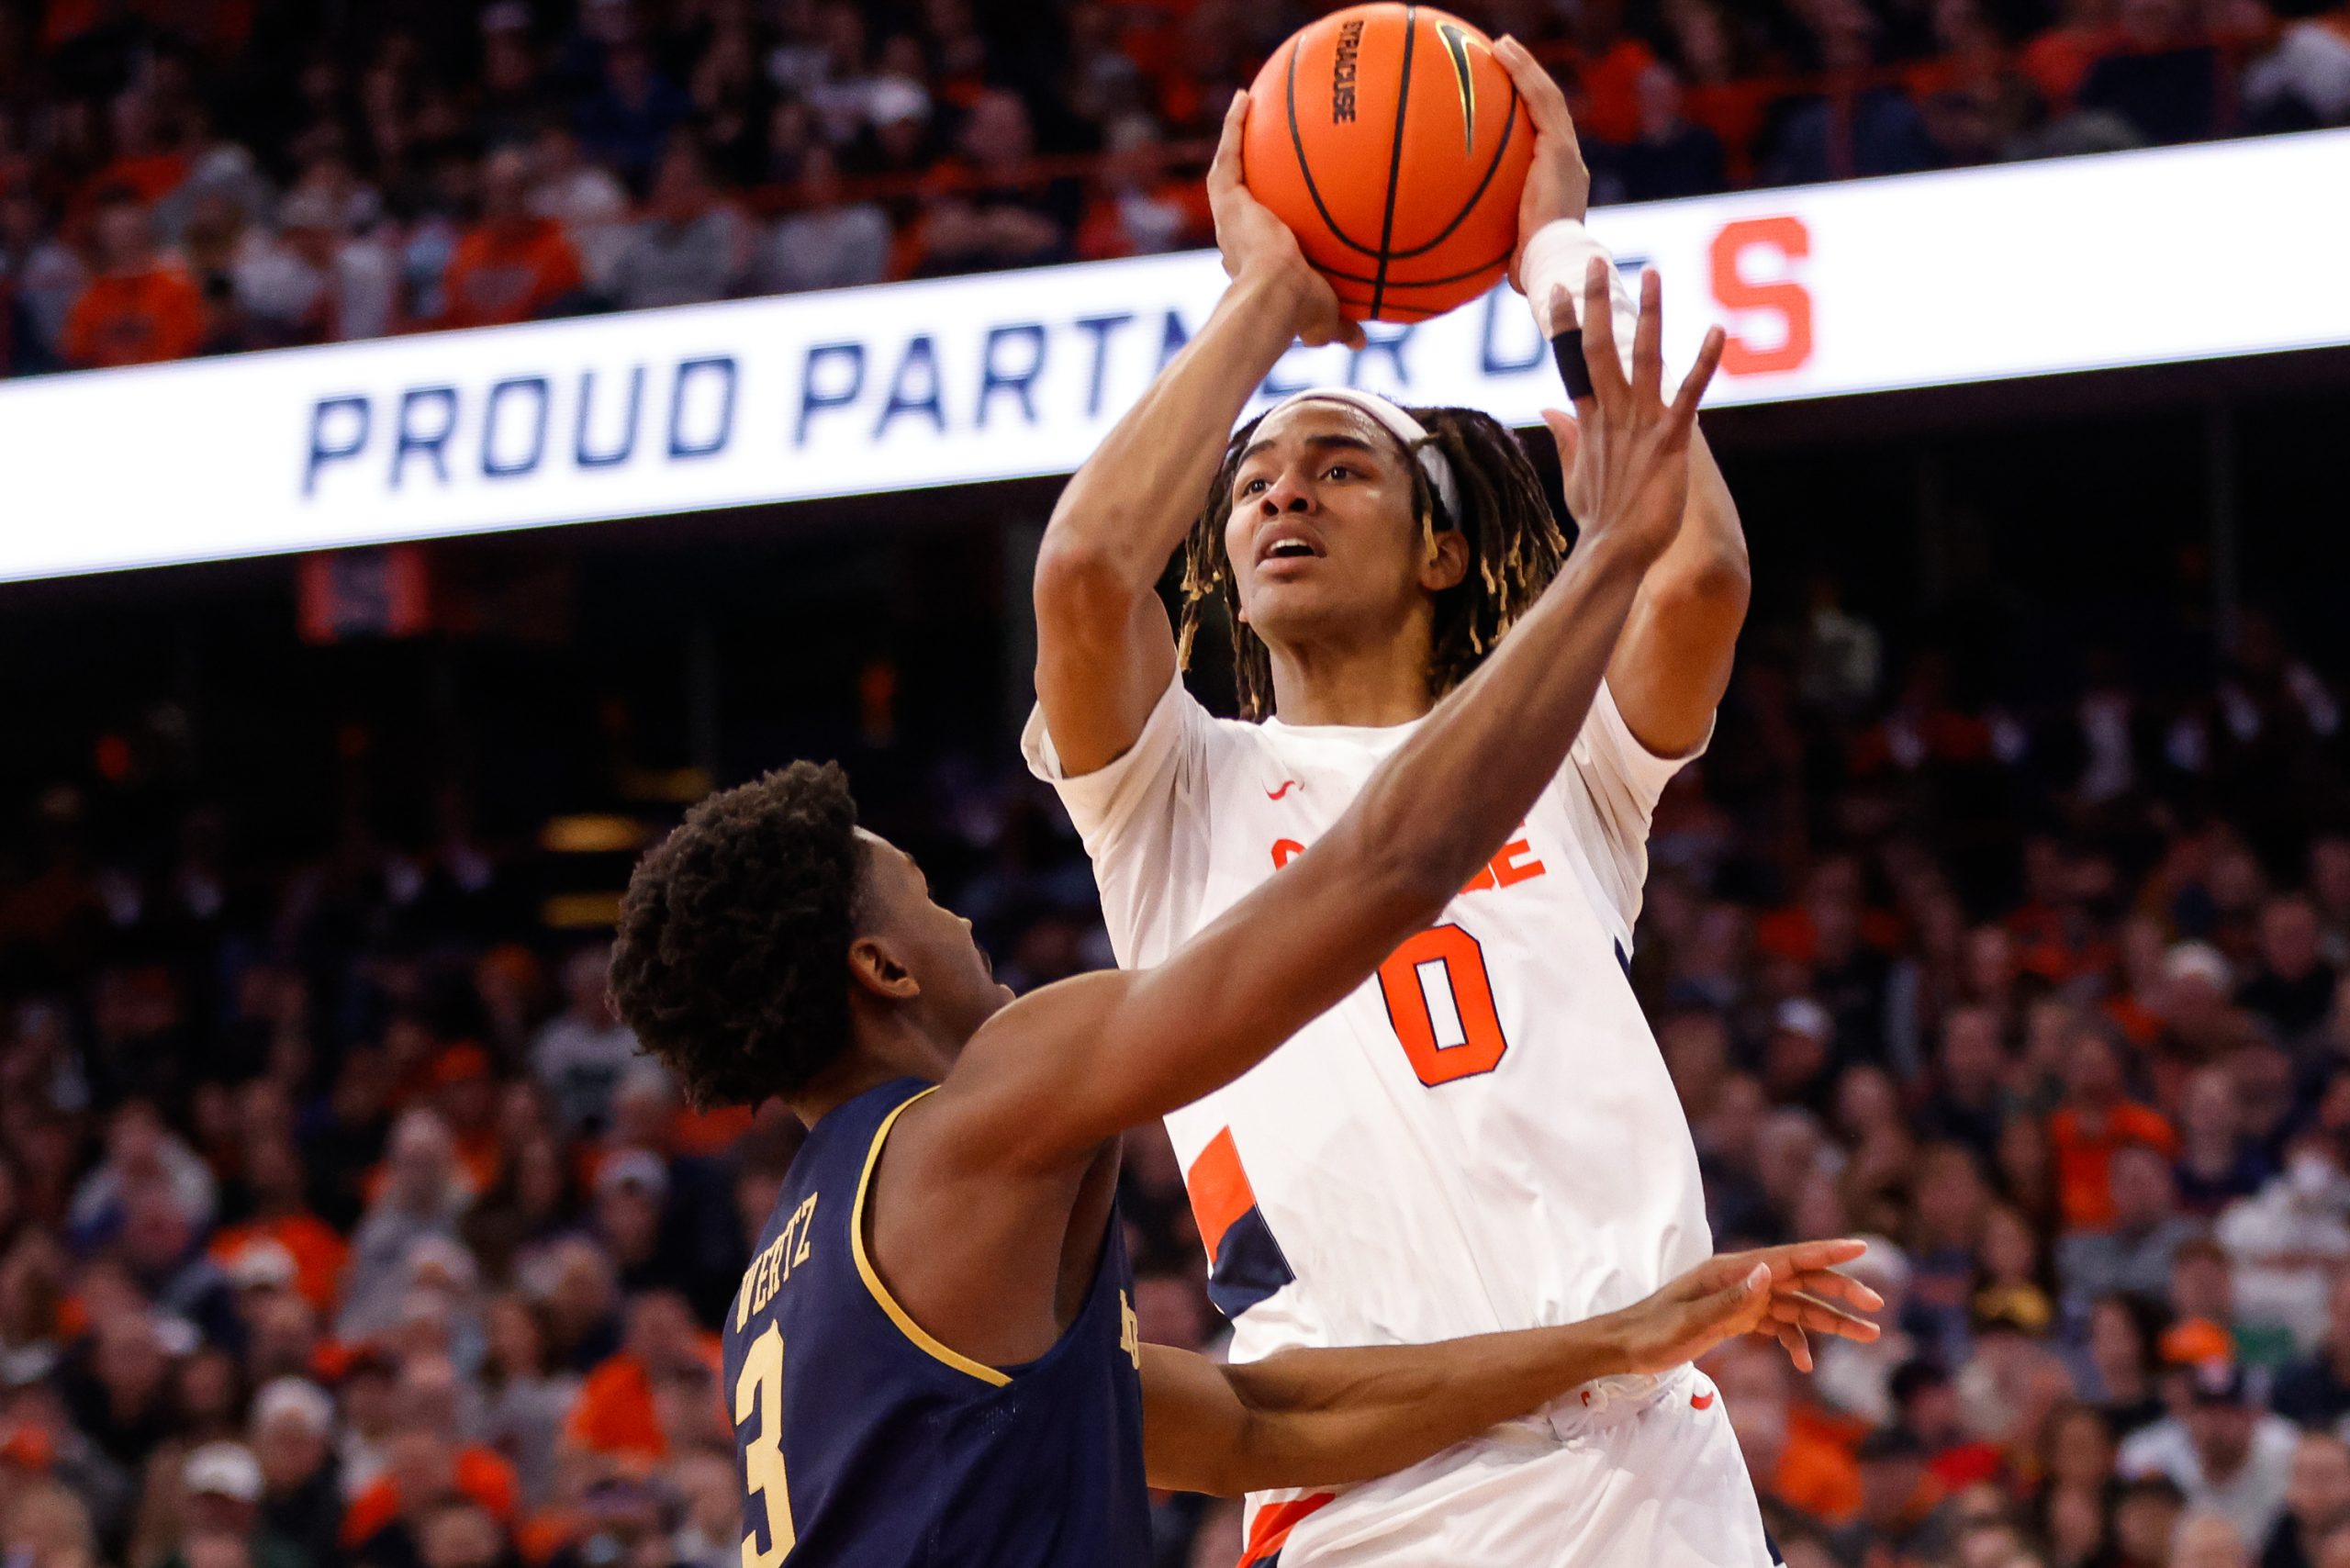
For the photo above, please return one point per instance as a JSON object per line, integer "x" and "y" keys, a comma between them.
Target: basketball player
{"x": 1482, "y": 1136}
{"x": 933, "y": 1356}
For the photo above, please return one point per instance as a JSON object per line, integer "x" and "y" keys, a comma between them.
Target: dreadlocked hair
{"x": 1514, "y": 549}
{"x": 731, "y": 963}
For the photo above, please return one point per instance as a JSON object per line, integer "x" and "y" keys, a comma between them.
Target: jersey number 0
{"x": 1440, "y": 1002}
{"x": 759, "y": 1392}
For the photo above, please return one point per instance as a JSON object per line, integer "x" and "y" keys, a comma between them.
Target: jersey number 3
{"x": 1440, "y": 1002}
{"x": 759, "y": 1392}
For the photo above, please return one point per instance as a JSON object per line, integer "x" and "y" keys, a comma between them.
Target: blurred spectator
{"x": 2225, "y": 1454}
{"x": 510, "y": 266}
{"x": 222, "y": 1483}
{"x": 579, "y": 1056}
{"x": 688, "y": 246}
{"x": 2305, "y": 79}
{"x": 1854, "y": 127}
{"x": 1140, "y": 207}
{"x": 137, "y": 309}
{"x": 2057, "y": 60}
{"x": 831, "y": 242}
{"x": 586, "y": 200}
{"x": 983, "y": 211}
{"x": 293, "y": 1444}
{"x": 2317, "y": 1500}
{"x": 2094, "y": 1121}
{"x": 39, "y": 280}
{"x": 2289, "y": 1242}
{"x": 2133, "y": 1252}
{"x": 315, "y": 282}
{"x": 629, "y": 118}
{"x": 1668, "y": 155}
{"x": 2316, "y": 1391}
{"x": 2157, "y": 76}
{"x": 424, "y": 1195}
{"x": 2294, "y": 987}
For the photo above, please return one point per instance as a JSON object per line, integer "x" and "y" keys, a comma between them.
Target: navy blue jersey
{"x": 865, "y": 1443}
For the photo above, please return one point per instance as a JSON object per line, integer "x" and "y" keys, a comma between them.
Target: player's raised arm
{"x": 1075, "y": 1064}
{"x": 1104, "y": 651}
{"x": 1672, "y": 664}
{"x": 1326, "y": 1417}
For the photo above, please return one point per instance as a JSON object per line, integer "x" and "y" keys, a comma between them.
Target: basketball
{"x": 1392, "y": 142}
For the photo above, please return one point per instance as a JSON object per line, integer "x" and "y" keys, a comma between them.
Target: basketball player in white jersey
{"x": 1484, "y": 1136}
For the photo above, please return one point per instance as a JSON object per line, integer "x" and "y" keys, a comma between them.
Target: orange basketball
{"x": 1391, "y": 141}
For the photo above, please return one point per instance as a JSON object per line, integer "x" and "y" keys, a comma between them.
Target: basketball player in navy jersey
{"x": 933, "y": 1357}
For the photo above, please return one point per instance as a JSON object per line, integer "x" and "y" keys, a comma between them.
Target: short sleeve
{"x": 1144, "y": 820}
{"x": 1611, "y": 785}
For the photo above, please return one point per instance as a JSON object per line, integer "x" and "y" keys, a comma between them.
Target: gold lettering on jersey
{"x": 1513, "y": 865}
{"x": 1129, "y": 1331}
{"x": 775, "y": 1262}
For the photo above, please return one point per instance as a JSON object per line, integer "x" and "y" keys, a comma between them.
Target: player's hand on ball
{"x": 1258, "y": 245}
{"x": 1626, "y": 453}
{"x": 1790, "y": 1292}
{"x": 1558, "y": 183}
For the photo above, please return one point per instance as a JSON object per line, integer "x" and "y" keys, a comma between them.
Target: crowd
{"x": 195, "y": 176}
{"x": 340, "y": 1223}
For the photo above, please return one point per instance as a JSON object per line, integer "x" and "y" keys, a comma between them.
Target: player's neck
{"x": 879, "y": 1052}
{"x": 1369, "y": 684}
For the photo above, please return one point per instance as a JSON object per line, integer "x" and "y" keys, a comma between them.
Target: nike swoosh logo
{"x": 1701, "y": 1401}
{"x": 1287, "y": 785}
{"x": 1456, "y": 44}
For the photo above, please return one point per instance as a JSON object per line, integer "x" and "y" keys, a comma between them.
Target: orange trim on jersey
{"x": 1274, "y": 1521}
{"x": 1219, "y": 1190}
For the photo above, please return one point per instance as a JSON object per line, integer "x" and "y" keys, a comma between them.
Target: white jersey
{"x": 1483, "y": 1135}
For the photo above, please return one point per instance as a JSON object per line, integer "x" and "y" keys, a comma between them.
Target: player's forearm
{"x": 1126, "y": 510}
{"x": 1486, "y": 752}
{"x": 1673, "y": 664}
{"x": 1324, "y": 1418}
{"x": 1706, "y": 561}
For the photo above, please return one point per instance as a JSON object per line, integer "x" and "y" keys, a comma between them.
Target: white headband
{"x": 1397, "y": 423}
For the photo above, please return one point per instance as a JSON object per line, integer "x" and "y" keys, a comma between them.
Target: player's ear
{"x": 875, "y": 969}
{"x": 1445, "y": 560}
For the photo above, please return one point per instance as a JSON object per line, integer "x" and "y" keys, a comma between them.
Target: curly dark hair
{"x": 1514, "y": 549}
{"x": 731, "y": 961}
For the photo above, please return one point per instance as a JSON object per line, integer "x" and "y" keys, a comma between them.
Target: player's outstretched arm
{"x": 1325, "y": 1417}
{"x": 1077, "y": 1063}
{"x": 1674, "y": 663}
{"x": 1104, "y": 651}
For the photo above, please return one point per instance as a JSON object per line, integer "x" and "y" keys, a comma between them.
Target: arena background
{"x": 2002, "y": 920}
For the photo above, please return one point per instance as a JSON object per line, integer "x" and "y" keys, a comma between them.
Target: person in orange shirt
{"x": 619, "y": 1410}
{"x": 509, "y": 266}
{"x": 282, "y": 1218}
{"x": 139, "y": 308}
{"x": 1609, "y": 63}
{"x": 465, "y": 1094}
{"x": 2059, "y": 59}
{"x": 146, "y": 162}
{"x": 2096, "y": 1118}
{"x": 424, "y": 1462}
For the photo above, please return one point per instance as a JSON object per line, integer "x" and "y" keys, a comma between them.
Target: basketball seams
{"x": 1395, "y": 157}
{"x": 1475, "y": 196}
{"x": 1398, "y": 286}
{"x": 1305, "y": 169}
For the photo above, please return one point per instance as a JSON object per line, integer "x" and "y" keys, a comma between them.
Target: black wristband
{"x": 1567, "y": 349}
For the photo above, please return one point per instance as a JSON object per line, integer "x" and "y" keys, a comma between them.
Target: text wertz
{"x": 775, "y": 1262}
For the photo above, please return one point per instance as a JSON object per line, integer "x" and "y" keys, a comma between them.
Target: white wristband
{"x": 1559, "y": 255}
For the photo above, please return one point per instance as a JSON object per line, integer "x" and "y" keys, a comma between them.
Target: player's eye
{"x": 1338, "y": 471}
{"x": 1250, "y": 487}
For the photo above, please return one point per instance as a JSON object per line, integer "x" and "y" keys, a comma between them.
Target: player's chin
{"x": 1291, "y": 606}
